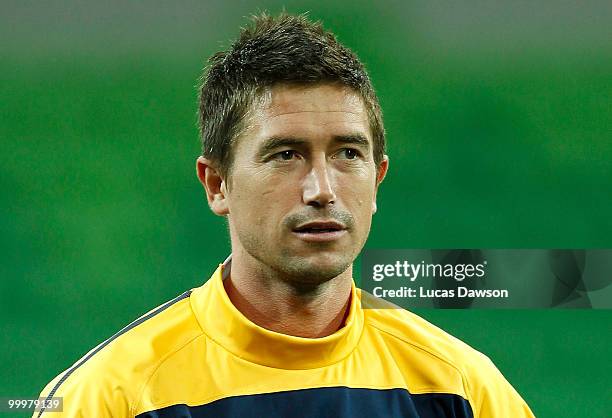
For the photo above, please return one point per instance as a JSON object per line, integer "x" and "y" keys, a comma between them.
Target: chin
{"x": 315, "y": 269}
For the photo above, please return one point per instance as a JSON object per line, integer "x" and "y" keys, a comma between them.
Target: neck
{"x": 279, "y": 305}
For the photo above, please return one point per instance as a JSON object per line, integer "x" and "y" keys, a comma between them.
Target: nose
{"x": 318, "y": 190}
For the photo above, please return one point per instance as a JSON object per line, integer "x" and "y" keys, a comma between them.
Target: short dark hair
{"x": 272, "y": 50}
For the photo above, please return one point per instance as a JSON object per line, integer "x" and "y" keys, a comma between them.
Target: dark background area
{"x": 498, "y": 123}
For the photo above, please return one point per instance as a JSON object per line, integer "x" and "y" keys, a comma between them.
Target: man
{"x": 293, "y": 155}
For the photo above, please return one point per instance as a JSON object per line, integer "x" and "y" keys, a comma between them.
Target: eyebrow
{"x": 276, "y": 142}
{"x": 356, "y": 139}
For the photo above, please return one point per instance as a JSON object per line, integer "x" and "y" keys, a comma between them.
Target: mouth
{"x": 320, "y": 231}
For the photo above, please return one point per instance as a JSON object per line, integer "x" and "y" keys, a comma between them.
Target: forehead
{"x": 310, "y": 112}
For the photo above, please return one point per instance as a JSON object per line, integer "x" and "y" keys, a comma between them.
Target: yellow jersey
{"x": 198, "y": 356}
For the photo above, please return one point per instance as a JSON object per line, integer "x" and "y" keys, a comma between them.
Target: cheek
{"x": 359, "y": 203}
{"x": 358, "y": 193}
{"x": 261, "y": 201}
{"x": 359, "y": 182}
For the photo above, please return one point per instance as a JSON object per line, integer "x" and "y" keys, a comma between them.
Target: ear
{"x": 214, "y": 185}
{"x": 381, "y": 172}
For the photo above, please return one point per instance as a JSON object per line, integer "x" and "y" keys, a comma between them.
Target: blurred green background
{"x": 498, "y": 120}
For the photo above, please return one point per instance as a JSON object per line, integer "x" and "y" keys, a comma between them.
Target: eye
{"x": 348, "y": 153}
{"x": 287, "y": 155}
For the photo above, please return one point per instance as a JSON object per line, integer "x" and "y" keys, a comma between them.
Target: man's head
{"x": 271, "y": 50}
{"x": 293, "y": 147}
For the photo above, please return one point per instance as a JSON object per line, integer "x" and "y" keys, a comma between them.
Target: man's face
{"x": 303, "y": 182}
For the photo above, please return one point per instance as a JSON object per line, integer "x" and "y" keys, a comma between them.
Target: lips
{"x": 320, "y": 231}
{"x": 320, "y": 227}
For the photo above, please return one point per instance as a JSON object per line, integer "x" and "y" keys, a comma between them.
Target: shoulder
{"x": 112, "y": 375}
{"x": 445, "y": 362}
{"x": 413, "y": 331}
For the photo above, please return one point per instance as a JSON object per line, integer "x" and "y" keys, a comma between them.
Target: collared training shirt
{"x": 198, "y": 356}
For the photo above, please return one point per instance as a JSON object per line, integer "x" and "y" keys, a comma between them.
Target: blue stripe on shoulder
{"x": 109, "y": 340}
{"x": 332, "y": 402}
